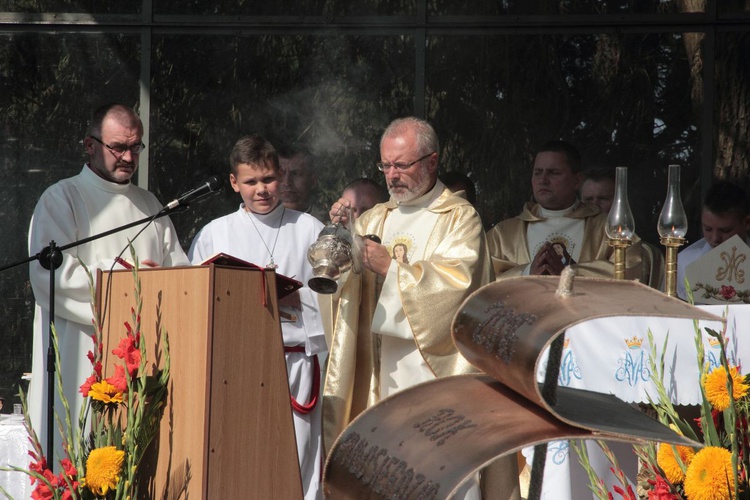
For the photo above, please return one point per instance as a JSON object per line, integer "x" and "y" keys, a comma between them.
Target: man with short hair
{"x": 558, "y": 229}
{"x": 363, "y": 194}
{"x": 726, "y": 212}
{"x": 298, "y": 180}
{"x": 98, "y": 199}
{"x": 599, "y": 188}
{"x": 409, "y": 319}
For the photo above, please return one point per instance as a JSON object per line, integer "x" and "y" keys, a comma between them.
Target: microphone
{"x": 211, "y": 185}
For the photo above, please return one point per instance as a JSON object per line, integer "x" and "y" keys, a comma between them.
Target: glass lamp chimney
{"x": 673, "y": 220}
{"x": 620, "y": 222}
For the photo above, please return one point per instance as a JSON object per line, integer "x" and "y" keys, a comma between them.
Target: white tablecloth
{"x": 611, "y": 356}
{"x": 14, "y": 448}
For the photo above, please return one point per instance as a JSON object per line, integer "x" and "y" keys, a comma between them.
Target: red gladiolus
{"x": 627, "y": 496}
{"x": 128, "y": 350}
{"x": 119, "y": 380}
{"x": 68, "y": 468}
{"x": 661, "y": 490}
{"x": 86, "y": 386}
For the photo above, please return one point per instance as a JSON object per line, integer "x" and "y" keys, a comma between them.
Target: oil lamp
{"x": 672, "y": 228}
{"x": 620, "y": 222}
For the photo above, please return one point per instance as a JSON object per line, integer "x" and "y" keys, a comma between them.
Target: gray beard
{"x": 423, "y": 182}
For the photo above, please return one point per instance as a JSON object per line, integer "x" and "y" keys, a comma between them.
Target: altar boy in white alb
{"x": 264, "y": 232}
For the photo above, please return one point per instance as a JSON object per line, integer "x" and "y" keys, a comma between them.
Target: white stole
{"x": 401, "y": 363}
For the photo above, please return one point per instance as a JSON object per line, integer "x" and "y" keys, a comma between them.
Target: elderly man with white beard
{"x": 393, "y": 322}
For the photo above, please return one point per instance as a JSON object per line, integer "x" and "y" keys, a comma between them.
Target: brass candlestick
{"x": 672, "y": 228}
{"x": 620, "y": 223}
{"x": 670, "y": 265}
{"x": 621, "y": 246}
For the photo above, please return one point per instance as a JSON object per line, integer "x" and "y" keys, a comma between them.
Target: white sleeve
{"x": 54, "y": 220}
{"x": 202, "y": 246}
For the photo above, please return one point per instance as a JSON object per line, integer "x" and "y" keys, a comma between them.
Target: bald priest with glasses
{"x": 98, "y": 199}
{"x": 393, "y": 324}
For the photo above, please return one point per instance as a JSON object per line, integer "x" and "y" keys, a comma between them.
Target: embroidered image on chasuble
{"x": 514, "y": 242}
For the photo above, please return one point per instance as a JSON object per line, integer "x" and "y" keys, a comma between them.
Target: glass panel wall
{"x": 330, "y": 95}
{"x": 71, "y": 6}
{"x": 49, "y": 84}
{"x": 287, "y": 8}
{"x": 622, "y": 99}
{"x": 638, "y": 84}
{"x": 552, "y": 8}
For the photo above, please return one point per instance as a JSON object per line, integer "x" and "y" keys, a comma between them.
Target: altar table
{"x": 611, "y": 355}
{"x": 14, "y": 448}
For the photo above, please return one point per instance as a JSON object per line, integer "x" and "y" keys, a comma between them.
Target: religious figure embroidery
{"x": 402, "y": 245}
{"x": 561, "y": 248}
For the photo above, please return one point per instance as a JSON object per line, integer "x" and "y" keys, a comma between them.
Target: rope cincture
{"x": 310, "y": 406}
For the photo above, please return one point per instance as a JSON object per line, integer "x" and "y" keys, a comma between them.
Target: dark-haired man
{"x": 558, "y": 229}
{"x": 726, "y": 212}
{"x": 98, "y": 199}
{"x": 298, "y": 181}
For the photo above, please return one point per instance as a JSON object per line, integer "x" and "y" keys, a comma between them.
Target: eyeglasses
{"x": 399, "y": 166}
{"x": 120, "y": 149}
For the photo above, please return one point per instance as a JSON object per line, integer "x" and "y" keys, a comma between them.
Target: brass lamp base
{"x": 620, "y": 245}
{"x": 670, "y": 263}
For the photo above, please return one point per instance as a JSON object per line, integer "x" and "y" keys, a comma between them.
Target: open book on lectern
{"x": 284, "y": 284}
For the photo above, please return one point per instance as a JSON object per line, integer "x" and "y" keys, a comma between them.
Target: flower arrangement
{"x": 119, "y": 419}
{"x": 718, "y": 470}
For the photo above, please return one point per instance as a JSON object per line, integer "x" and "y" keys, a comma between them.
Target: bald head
{"x": 363, "y": 194}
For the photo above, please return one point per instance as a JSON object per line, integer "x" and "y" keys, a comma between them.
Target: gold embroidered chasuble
{"x": 509, "y": 249}
{"x": 431, "y": 291}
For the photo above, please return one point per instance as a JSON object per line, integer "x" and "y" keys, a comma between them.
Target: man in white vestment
{"x": 393, "y": 322}
{"x": 98, "y": 199}
{"x": 726, "y": 212}
{"x": 265, "y": 232}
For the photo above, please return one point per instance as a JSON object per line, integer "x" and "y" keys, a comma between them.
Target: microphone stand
{"x": 51, "y": 258}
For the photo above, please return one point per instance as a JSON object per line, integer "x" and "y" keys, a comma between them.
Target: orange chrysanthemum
{"x": 103, "y": 467}
{"x": 709, "y": 475}
{"x": 105, "y": 392}
{"x": 715, "y": 385}
{"x": 668, "y": 462}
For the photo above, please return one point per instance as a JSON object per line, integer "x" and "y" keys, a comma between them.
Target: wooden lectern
{"x": 227, "y": 429}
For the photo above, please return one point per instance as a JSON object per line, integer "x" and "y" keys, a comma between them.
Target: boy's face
{"x": 717, "y": 228}
{"x": 258, "y": 186}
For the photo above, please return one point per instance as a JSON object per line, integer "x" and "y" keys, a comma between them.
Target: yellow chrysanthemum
{"x": 105, "y": 392}
{"x": 715, "y": 385}
{"x": 709, "y": 475}
{"x": 668, "y": 462}
{"x": 103, "y": 467}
